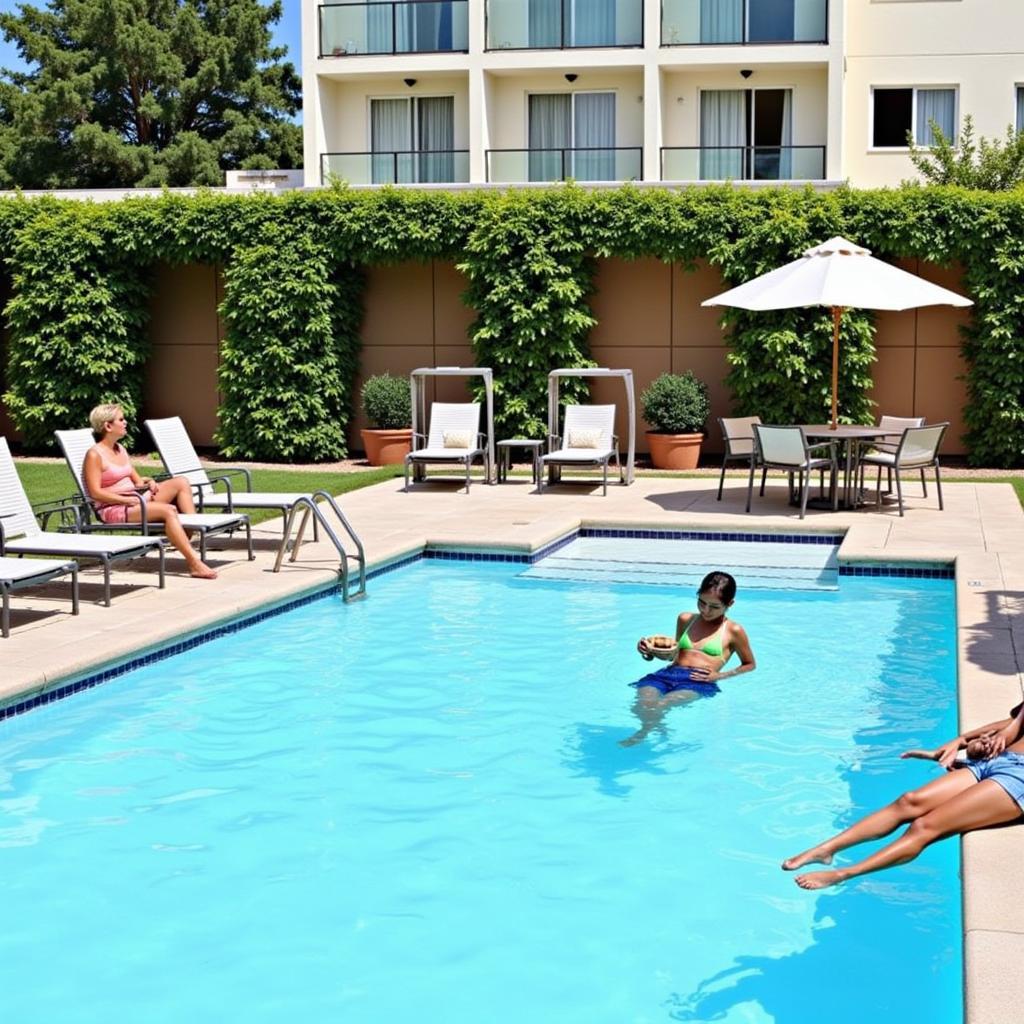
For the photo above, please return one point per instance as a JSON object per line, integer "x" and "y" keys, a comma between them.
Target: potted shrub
{"x": 388, "y": 407}
{"x": 676, "y": 407}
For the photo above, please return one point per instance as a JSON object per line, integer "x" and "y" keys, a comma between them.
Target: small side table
{"x": 505, "y": 456}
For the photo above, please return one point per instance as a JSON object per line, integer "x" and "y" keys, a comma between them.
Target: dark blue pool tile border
{"x": 453, "y": 555}
{"x": 906, "y": 572}
{"x": 759, "y": 538}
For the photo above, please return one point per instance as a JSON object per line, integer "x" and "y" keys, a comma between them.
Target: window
{"x": 1020, "y": 108}
{"x": 895, "y": 112}
{"x": 746, "y": 133}
{"x": 412, "y": 139}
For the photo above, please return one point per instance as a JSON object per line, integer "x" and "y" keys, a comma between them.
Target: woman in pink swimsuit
{"x": 119, "y": 491}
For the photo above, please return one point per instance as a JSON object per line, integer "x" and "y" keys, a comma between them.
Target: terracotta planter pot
{"x": 674, "y": 451}
{"x": 386, "y": 447}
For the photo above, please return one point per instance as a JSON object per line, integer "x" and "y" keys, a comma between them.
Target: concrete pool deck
{"x": 980, "y": 532}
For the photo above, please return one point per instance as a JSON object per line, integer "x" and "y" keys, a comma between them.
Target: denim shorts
{"x": 677, "y": 677}
{"x": 1006, "y": 769}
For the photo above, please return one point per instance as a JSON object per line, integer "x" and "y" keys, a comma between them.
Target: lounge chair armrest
{"x": 71, "y": 513}
{"x": 223, "y": 472}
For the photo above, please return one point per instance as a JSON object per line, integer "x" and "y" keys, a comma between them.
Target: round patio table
{"x": 846, "y": 434}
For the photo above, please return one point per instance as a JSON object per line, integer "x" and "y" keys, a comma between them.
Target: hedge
{"x": 294, "y": 276}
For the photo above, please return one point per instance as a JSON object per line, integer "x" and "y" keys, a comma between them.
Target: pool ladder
{"x": 312, "y": 509}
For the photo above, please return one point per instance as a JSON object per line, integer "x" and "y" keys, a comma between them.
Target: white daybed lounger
{"x": 75, "y": 444}
{"x": 587, "y": 439}
{"x": 20, "y": 533}
{"x": 454, "y": 437}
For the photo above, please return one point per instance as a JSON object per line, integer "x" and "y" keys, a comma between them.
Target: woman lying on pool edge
{"x": 705, "y": 640}
{"x": 986, "y": 789}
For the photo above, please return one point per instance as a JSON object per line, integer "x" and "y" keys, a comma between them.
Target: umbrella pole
{"x": 837, "y": 315}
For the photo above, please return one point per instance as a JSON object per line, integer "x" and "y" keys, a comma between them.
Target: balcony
{"x": 563, "y": 24}
{"x": 743, "y": 163}
{"x": 394, "y": 26}
{"x": 397, "y": 167}
{"x": 623, "y": 163}
{"x": 743, "y": 22}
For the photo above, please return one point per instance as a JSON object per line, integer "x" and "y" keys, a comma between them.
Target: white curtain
{"x": 379, "y": 29}
{"x": 544, "y": 20}
{"x": 550, "y": 129}
{"x": 435, "y": 121}
{"x": 593, "y": 22}
{"x": 938, "y": 105}
{"x": 786, "y": 155}
{"x": 594, "y": 134}
{"x": 723, "y": 123}
{"x": 721, "y": 21}
{"x": 423, "y": 27}
{"x": 390, "y": 133}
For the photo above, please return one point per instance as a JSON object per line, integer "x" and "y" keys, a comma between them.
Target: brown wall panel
{"x": 939, "y": 394}
{"x": 893, "y": 390}
{"x": 181, "y": 380}
{"x": 185, "y": 332}
{"x": 452, "y": 318}
{"x": 895, "y": 328}
{"x": 692, "y": 323}
{"x": 646, "y": 364}
{"x": 633, "y": 303}
{"x": 398, "y": 360}
{"x": 399, "y": 306}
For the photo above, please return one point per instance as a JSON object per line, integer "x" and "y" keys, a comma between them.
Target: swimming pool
{"x": 416, "y": 808}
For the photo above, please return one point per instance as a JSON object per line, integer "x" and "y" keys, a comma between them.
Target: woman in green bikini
{"x": 704, "y": 642}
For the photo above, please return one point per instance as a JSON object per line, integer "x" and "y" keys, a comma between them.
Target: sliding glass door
{"x": 746, "y": 133}
{"x": 412, "y": 140}
{"x": 572, "y": 135}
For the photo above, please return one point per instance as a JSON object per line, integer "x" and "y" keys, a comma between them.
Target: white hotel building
{"x": 514, "y": 91}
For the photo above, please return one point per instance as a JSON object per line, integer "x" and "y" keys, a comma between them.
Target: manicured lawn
{"x": 52, "y": 481}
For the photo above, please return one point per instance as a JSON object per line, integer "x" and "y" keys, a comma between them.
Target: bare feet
{"x": 632, "y": 741}
{"x": 814, "y": 855}
{"x": 819, "y": 879}
{"x": 201, "y": 571}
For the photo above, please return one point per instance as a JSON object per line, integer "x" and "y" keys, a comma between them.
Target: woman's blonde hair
{"x": 102, "y": 415}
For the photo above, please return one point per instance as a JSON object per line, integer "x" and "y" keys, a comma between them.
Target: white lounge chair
{"x": 75, "y": 444}
{"x": 587, "y": 439}
{"x": 20, "y": 533}
{"x": 454, "y": 437}
{"x": 16, "y": 573}
{"x": 180, "y": 459}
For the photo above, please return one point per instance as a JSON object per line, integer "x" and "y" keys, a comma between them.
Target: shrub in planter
{"x": 388, "y": 407}
{"x": 676, "y": 406}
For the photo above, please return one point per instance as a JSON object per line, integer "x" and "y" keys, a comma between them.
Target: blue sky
{"x": 286, "y": 33}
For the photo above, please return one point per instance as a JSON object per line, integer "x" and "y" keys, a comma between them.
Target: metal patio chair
{"x": 740, "y": 446}
{"x": 918, "y": 449}
{"x": 787, "y": 448}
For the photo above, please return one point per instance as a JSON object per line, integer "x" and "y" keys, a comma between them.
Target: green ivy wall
{"x": 80, "y": 276}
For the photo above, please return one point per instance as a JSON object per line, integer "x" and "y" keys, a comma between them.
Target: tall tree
{"x": 145, "y": 92}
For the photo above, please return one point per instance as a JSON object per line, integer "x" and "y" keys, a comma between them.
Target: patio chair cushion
{"x": 458, "y": 438}
{"x": 585, "y": 438}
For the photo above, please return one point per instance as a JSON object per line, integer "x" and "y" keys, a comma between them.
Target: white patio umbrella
{"x": 837, "y": 274}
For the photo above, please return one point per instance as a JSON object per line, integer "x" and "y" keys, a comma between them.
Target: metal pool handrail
{"x": 311, "y": 508}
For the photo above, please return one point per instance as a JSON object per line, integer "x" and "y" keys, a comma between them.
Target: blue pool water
{"x": 415, "y": 808}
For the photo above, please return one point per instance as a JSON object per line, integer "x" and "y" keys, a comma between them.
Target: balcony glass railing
{"x": 563, "y": 24}
{"x": 717, "y": 22}
{"x": 743, "y": 163}
{"x": 401, "y": 26}
{"x": 406, "y": 167}
{"x": 523, "y": 165}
